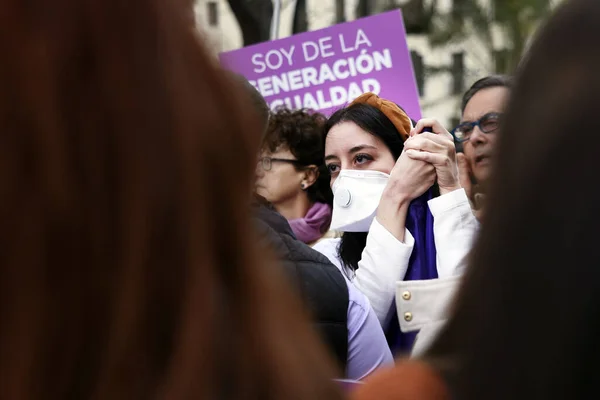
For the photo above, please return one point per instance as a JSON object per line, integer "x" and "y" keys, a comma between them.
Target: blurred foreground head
{"x": 128, "y": 267}
{"x": 527, "y": 322}
{"x": 256, "y": 100}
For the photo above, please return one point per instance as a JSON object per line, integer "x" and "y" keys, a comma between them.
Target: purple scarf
{"x": 314, "y": 224}
{"x": 422, "y": 265}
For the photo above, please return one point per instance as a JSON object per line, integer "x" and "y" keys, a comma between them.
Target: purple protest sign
{"x": 328, "y": 68}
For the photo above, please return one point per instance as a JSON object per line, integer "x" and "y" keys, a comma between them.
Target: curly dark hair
{"x": 301, "y": 131}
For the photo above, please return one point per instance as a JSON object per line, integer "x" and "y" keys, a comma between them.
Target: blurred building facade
{"x": 443, "y": 72}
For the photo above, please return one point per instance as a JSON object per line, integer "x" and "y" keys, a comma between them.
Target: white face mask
{"x": 356, "y": 196}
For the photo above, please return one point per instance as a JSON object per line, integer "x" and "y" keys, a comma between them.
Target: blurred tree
{"x": 513, "y": 20}
{"x": 254, "y": 18}
{"x": 340, "y": 11}
{"x": 300, "y": 23}
{"x": 417, "y": 13}
{"x": 363, "y": 8}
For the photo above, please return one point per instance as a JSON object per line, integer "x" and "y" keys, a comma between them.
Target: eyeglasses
{"x": 267, "y": 162}
{"x": 487, "y": 124}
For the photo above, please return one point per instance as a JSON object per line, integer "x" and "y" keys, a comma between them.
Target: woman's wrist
{"x": 391, "y": 213}
{"x": 449, "y": 189}
{"x": 395, "y": 198}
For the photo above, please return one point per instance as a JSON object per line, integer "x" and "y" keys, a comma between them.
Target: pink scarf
{"x": 314, "y": 224}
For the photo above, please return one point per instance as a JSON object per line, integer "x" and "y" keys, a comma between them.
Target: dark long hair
{"x": 375, "y": 122}
{"x": 129, "y": 267}
{"x": 526, "y": 321}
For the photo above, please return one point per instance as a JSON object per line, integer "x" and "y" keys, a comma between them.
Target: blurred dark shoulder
{"x": 320, "y": 284}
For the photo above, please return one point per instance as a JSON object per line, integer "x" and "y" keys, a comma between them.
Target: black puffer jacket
{"x": 320, "y": 284}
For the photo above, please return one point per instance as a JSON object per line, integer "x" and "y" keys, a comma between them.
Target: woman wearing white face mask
{"x": 383, "y": 175}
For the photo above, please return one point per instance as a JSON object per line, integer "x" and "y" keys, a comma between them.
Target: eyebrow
{"x": 463, "y": 120}
{"x": 358, "y": 148}
{"x": 353, "y": 150}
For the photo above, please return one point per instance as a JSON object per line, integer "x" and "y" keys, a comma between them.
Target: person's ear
{"x": 311, "y": 174}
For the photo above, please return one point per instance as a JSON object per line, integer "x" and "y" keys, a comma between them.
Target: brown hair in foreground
{"x": 128, "y": 264}
{"x": 526, "y": 323}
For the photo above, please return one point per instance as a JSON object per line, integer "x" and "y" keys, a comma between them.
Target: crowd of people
{"x": 169, "y": 236}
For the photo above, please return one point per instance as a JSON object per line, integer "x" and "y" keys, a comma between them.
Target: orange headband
{"x": 394, "y": 113}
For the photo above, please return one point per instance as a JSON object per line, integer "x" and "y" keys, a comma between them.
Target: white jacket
{"x": 385, "y": 259}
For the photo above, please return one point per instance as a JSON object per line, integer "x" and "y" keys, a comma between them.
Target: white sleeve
{"x": 420, "y": 303}
{"x": 454, "y": 228}
{"x": 424, "y": 306}
{"x": 384, "y": 261}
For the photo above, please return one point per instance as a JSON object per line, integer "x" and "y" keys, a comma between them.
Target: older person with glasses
{"x": 290, "y": 172}
{"x": 267, "y": 162}
{"x": 482, "y": 108}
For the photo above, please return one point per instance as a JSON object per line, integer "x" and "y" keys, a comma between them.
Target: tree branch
{"x": 254, "y": 18}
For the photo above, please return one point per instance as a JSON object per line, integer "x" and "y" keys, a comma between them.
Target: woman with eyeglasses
{"x": 290, "y": 173}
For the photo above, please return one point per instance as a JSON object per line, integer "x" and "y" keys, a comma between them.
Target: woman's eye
{"x": 362, "y": 158}
{"x": 332, "y": 168}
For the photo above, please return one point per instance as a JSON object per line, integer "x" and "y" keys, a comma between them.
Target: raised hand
{"x": 436, "y": 148}
{"x": 409, "y": 179}
{"x": 464, "y": 174}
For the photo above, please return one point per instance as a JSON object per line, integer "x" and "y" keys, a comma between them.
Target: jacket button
{"x": 408, "y": 316}
{"x": 406, "y": 295}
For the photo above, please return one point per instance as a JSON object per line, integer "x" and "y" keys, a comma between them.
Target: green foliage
{"x": 516, "y": 20}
